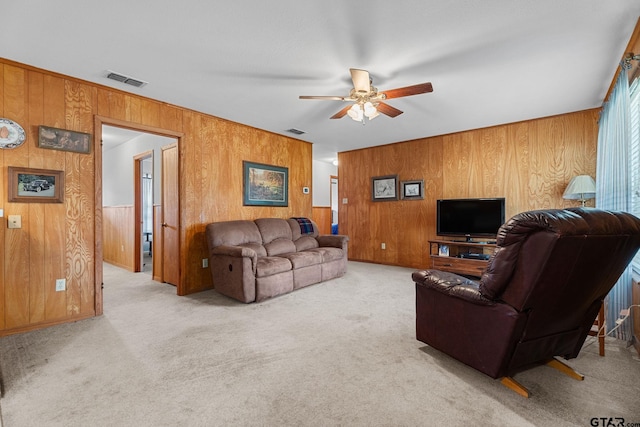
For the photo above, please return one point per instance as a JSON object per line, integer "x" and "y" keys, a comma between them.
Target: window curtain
{"x": 613, "y": 185}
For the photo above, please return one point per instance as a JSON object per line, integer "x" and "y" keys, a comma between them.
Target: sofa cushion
{"x": 279, "y": 247}
{"x": 303, "y": 259}
{"x": 305, "y": 242}
{"x": 328, "y": 254}
{"x": 233, "y": 233}
{"x": 269, "y": 265}
{"x": 273, "y": 228}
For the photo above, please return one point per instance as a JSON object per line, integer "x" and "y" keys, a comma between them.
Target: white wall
{"x": 117, "y": 169}
{"x": 322, "y": 172}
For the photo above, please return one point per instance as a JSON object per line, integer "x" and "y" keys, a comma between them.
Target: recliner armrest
{"x": 237, "y": 251}
{"x": 451, "y": 284}
{"x": 333, "y": 240}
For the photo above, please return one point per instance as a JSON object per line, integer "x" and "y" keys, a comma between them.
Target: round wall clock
{"x": 11, "y": 134}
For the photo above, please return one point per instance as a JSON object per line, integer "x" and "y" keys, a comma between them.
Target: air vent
{"x": 125, "y": 79}
{"x": 296, "y": 131}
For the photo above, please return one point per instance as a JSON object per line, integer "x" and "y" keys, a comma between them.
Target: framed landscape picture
{"x": 28, "y": 185}
{"x": 384, "y": 188}
{"x": 265, "y": 185}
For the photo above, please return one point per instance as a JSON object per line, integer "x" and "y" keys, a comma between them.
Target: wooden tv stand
{"x": 458, "y": 260}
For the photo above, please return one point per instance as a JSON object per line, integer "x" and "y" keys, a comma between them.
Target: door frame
{"x": 99, "y": 121}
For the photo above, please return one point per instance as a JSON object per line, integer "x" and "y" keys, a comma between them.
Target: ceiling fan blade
{"x": 326, "y": 98}
{"x": 388, "y": 110}
{"x": 408, "y": 91}
{"x": 340, "y": 114}
{"x": 361, "y": 80}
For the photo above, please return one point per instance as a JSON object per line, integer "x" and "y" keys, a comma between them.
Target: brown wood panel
{"x": 528, "y": 163}
{"x": 118, "y": 236}
{"x": 322, "y": 217}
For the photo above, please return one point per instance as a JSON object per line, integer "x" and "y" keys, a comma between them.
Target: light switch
{"x": 15, "y": 221}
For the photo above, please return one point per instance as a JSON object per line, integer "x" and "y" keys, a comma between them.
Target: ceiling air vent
{"x": 125, "y": 79}
{"x": 296, "y": 131}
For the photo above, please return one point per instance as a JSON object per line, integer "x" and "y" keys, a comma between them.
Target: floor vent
{"x": 296, "y": 131}
{"x": 125, "y": 79}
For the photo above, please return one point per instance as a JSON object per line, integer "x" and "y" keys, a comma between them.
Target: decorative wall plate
{"x": 11, "y": 134}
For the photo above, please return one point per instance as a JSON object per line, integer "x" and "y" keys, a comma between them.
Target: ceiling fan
{"x": 367, "y": 101}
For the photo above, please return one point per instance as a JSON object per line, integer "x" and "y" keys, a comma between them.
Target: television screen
{"x": 470, "y": 217}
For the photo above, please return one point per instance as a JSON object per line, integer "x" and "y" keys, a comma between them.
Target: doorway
{"x": 132, "y": 204}
{"x": 144, "y": 183}
{"x": 334, "y": 204}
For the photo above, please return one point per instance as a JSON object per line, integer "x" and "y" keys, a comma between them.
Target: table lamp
{"x": 581, "y": 187}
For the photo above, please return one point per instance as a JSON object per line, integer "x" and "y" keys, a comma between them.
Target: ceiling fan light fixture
{"x": 355, "y": 112}
{"x": 370, "y": 110}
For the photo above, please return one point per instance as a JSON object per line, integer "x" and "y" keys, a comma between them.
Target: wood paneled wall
{"x": 322, "y": 217}
{"x": 118, "y": 236}
{"x": 529, "y": 163}
{"x": 61, "y": 241}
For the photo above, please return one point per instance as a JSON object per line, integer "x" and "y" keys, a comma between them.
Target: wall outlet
{"x": 383, "y": 246}
{"x": 61, "y": 285}
{"x": 205, "y": 262}
{"x": 345, "y": 201}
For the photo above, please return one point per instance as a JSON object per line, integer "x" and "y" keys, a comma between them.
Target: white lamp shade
{"x": 581, "y": 187}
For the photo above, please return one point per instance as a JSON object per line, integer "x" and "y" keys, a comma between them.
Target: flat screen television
{"x": 470, "y": 218}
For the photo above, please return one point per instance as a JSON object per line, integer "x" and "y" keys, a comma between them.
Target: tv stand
{"x": 465, "y": 258}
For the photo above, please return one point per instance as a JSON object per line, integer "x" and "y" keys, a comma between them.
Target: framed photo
{"x": 35, "y": 185}
{"x": 384, "y": 188}
{"x": 443, "y": 250}
{"x": 265, "y": 185}
{"x": 412, "y": 190}
{"x": 66, "y": 140}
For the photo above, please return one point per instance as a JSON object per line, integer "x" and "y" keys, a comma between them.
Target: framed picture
{"x": 35, "y": 185}
{"x": 443, "y": 250}
{"x": 265, "y": 185}
{"x": 61, "y": 139}
{"x": 384, "y": 188}
{"x": 412, "y": 190}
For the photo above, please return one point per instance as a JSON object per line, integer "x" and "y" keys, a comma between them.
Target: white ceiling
{"x": 490, "y": 62}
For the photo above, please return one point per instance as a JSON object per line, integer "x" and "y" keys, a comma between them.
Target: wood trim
{"x": 98, "y": 254}
{"x": 138, "y": 127}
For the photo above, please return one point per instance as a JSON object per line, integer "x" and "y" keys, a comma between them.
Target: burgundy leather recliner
{"x": 537, "y": 298}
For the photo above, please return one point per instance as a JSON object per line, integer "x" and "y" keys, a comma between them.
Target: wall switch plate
{"x": 305, "y": 190}
{"x": 383, "y": 246}
{"x": 205, "y": 262}
{"x": 345, "y": 201}
{"x": 15, "y": 221}
{"x": 61, "y": 285}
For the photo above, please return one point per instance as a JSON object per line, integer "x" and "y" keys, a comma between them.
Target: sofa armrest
{"x": 333, "y": 240}
{"x": 236, "y": 251}
{"x": 451, "y": 284}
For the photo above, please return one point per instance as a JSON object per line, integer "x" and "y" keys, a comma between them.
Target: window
{"x": 634, "y": 123}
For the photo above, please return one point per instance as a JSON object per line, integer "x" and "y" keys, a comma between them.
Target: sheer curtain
{"x": 613, "y": 184}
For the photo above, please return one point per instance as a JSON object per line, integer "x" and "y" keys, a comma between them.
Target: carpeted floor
{"x": 338, "y": 353}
